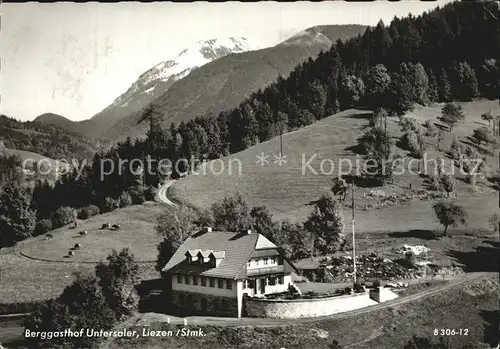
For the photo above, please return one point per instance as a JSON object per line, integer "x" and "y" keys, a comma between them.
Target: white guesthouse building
{"x": 212, "y": 270}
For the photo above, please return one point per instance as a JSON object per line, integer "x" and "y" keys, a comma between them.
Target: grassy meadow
{"x": 289, "y": 192}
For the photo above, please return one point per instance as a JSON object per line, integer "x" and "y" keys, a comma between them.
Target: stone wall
{"x": 303, "y": 308}
{"x": 382, "y": 294}
{"x": 215, "y": 305}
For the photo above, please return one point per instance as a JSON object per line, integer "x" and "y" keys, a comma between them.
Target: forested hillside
{"x": 49, "y": 140}
{"x": 447, "y": 54}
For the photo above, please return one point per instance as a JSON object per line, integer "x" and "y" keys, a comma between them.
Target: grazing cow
{"x": 77, "y": 246}
{"x": 105, "y": 226}
{"x": 70, "y": 253}
{"x": 84, "y": 232}
{"x": 48, "y": 236}
{"x": 116, "y": 226}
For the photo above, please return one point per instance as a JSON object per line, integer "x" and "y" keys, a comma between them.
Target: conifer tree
{"x": 17, "y": 216}
{"x": 433, "y": 90}
{"x": 444, "y": 87}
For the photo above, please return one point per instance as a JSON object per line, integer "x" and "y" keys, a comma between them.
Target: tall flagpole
{"x": 280, "y": 125}
{"x": 353, "y": 234}
{"x": 281, "y": 139}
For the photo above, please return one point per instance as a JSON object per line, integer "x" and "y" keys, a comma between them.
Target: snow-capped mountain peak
{"x": 163, "y": 75}
{"x": 199, "y": 54}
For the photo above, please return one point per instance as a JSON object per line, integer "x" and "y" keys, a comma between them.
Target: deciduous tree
{"x": 339, "y": 188}
{"x": 117, "y": 279}
{"x": 232, "y": 214}
{"x": 17, "y": 217}
{"x": 450, "y": 214}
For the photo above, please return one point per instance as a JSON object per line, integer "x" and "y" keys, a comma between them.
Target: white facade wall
{"x": 277, "y": 288}
{"x": 262, "y": 262}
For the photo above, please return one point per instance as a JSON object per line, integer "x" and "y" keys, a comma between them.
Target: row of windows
{"x": 265, "y": 261}
{"x": 188, "y": 300}
{"x": 203, "y": 281}
{"x": 270, "y": 281}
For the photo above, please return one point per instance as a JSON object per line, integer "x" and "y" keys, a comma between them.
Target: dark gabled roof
{"x": 238, "y": 248}
{"x": 233, "y": 250}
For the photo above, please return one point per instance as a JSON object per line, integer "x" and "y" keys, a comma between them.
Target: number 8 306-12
{"x": 451, "y": 332}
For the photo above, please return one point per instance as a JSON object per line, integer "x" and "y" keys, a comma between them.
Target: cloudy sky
{"x": 75, "y": 59}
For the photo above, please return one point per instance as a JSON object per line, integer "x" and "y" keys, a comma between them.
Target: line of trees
{"x": 48, "y": 140}
{"x": 27, "y": 211}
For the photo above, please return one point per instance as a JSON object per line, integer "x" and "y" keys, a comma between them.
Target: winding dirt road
{"x": 161, "y": 196}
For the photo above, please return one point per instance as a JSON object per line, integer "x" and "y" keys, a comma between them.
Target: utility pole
{"x": 353, "y": 235}
{"x": 386, "y": 139}
{"x": 421, "y": 145}
{"x": 386, "y": 150}
{"x": 280, "y": 125}
{"x": 143, "y": 171}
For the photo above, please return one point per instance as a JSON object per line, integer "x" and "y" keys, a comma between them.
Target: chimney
{"x": 207, "y": 229}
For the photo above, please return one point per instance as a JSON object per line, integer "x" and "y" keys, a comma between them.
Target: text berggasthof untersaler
{"x": 89, "y": 332}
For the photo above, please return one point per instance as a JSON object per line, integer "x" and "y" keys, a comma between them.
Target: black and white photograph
{"x": 250, "y": 175}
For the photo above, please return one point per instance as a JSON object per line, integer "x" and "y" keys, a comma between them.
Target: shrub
{"x": 43, "y": 226}
{"x": 432, "y": 130}
{"x": 137, "y": 195}
{"x": 471, "y": 152}
{"x": 125, "y": 200}
{"x": 376, "y": 283}
{"x": 88, "y": 211}
{"x": 447, "y": 183}
{"x": 109, "y": 205}
{"x": 483, "y": 135}
{"x": 335, "y": 345}
{"x": 409, "y": 124}
{"x": 63, "y": 216}
{"x": 410, "y": 141}
{"x": 150, "y": 193}
{"x": 357, "y": 287}
{"x": 405, "y": 263}
{"x": 452, "y": 113}
{"x": 410, "y": 258}
{"x": 435, "y": 184}
{"x": 311, "y": 294}
{"x": 456, "y": 149}
{"x": 18, "y": 308}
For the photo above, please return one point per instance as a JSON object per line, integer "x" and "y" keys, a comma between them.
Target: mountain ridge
{"x": 158, "y": 79}
{"x": 208, "y": 88}
{"x": 223, "y": 83}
